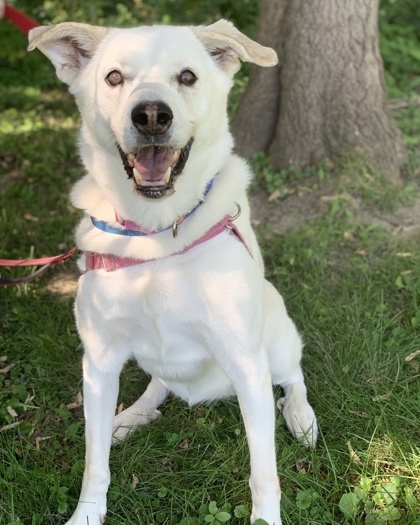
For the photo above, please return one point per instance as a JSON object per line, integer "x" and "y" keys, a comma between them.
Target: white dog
{"x": 172, "y": 271}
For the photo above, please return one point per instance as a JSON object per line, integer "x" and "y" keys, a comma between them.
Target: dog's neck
{"x": 113, "y": 191}
{"x": 132, "y": 229}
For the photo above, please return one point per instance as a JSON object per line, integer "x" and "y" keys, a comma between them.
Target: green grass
{"x": 352, "y": 288}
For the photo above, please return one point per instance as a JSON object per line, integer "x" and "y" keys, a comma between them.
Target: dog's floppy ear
{"x": 69, "y": 46}
{"x": 228, "y": 46}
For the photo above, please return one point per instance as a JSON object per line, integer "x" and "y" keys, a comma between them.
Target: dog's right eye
{"x": 114, "y": 78}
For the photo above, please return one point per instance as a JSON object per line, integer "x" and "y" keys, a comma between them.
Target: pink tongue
{"x": 152, "y": 162}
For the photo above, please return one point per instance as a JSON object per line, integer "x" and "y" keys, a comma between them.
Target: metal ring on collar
{"x": 237, "y": 214}
{"x": 175, "y": 225}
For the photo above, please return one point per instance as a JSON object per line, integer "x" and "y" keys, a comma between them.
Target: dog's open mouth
{"x": 154, "y": 168}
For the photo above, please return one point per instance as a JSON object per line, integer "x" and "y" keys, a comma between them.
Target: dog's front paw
{"x": 88, "y": 514}
{"x": 126, "y": 422}
{"x": 300, "y": 419}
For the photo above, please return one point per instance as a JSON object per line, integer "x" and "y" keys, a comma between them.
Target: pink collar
{"x": 109, "y": 262}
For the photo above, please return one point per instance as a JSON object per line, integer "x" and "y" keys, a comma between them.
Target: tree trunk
{"x": 327, "y": 96}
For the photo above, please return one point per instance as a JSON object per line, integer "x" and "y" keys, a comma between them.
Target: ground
{"x": 297, "y": 209}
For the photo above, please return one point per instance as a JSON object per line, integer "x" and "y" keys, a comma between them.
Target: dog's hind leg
{"x": 297, "y": 412}
{"x": 284, "y": 348}
{"x": 284, "y": 357}
{"x": 142, "y": 412}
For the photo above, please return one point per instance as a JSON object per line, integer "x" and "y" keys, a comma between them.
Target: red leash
{"x": 23, "y": 22}
{"x": 44, "y": 262}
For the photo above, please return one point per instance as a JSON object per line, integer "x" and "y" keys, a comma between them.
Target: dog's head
{"x": 150, "y": 94}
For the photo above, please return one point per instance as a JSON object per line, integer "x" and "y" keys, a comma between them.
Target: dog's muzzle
{"x": 155, "y": 164}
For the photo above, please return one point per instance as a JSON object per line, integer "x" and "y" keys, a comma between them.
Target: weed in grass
{"x": 373, "y": 502}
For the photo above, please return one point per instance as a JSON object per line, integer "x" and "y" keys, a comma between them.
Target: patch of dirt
{"x": 405, "y": 220}
{"x": 296, "y": 210}
{"x": 288, "y": 214}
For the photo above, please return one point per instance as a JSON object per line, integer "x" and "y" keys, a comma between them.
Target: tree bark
{"x": 327, "y": 98}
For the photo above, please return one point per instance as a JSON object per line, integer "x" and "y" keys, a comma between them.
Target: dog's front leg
{"x": 100, "y": 391}
{"x": 251, "y": 379}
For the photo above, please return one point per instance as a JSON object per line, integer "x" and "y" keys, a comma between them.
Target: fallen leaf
{"x": 30, "y": 217}
{"x": 383, "y": 397}
{"x": 6, "y": 369}
{"x": 275, "y": 195}
{"x": 120, "y": 408}
{"x": 405, "y": 254}
{"x": 411, "y": 356}
{"x": 77, "y": 403}
{"x": 134, "y": 481}
{"x": 39, "y": 440}
{"x": 184, "y": 445}
{"x": 28, "y": 400}
{"x": 8, "y": 427}
{"x": 12, "y": 412}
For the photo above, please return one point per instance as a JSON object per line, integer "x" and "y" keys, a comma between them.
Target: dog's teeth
{"x": 131, "y": 159}
{"x": 137, "y": 175}
{"x": 167, "y": 175}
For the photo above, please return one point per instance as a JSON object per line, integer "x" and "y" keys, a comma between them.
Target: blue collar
{"x": 107, "y": 228}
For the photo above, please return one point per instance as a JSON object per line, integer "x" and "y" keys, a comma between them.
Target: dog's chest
{"x": 155, "y": 315}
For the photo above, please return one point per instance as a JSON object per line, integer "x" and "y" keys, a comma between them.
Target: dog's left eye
{"x": 114, "y": 78}
{"x": 187, "y": 78}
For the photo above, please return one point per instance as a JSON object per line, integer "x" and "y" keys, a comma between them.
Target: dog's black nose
{"x": 153, "y": 118}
